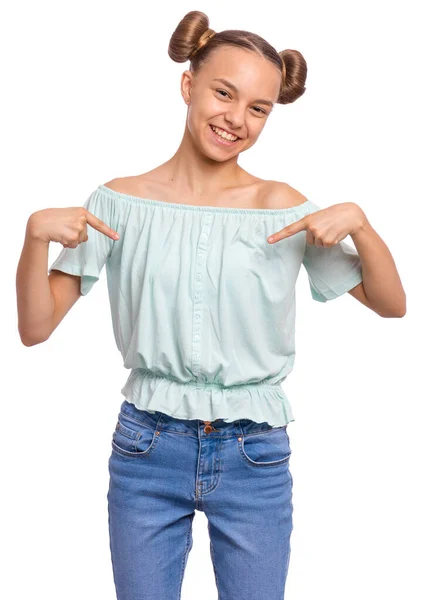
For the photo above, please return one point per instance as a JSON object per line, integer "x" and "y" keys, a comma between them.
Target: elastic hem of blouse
{"x": 206, "y": 401}
{"x": 299, "y": 208}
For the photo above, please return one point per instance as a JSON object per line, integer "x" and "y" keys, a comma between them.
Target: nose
{"x": 235, "y": 119}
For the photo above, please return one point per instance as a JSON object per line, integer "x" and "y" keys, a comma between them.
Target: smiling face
{"x": 239, "y": 105}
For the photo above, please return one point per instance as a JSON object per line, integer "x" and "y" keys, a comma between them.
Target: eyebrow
{"x": 234, "y": 88}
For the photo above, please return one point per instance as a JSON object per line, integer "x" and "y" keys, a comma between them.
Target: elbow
{"x": 29, "y": 341}
{"x": 396, "y": 315}
{"x": 399, "y": 311}
{"x": 402, "y": 313}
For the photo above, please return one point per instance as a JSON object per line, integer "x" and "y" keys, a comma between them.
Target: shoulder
{"x": 279, "y": 194}
{"x": 124, "y": 185}
{"x": 140, "y": 186}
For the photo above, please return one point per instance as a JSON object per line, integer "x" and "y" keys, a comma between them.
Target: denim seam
{"x": 185, "y": 555}
{"x": 215, "y": 469}
{"x": 213, "y": 560}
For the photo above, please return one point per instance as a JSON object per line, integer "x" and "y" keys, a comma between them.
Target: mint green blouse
{"x": 202, "y": 306}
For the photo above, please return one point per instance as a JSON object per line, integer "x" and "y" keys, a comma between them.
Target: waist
{"x": 208, "y": 400}
{"x": 203, "y": 383}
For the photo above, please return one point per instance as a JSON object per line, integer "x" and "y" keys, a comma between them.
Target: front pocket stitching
{"x": 135, "y": 435}
{"x": 137, "y": 452}
{"x": 260, "y": 464}
{"x": 266, "y": 464}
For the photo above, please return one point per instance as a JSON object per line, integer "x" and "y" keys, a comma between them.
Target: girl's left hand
{"x": 326, "y": 227}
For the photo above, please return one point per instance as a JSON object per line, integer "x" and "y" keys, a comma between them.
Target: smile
{"x": 227, "y": 139}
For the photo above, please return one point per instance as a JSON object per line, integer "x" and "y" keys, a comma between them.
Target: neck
{"x": 192, "y": 173}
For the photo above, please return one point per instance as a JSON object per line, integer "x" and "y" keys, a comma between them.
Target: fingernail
{"x": 271, "y": 238}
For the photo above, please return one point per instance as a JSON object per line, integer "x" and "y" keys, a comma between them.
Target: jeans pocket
{"x": 266, "y": 448}
{"x": 134, "y": 438}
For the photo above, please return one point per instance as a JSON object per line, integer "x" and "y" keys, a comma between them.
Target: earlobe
{"x": 185, "y": 97}
{"x": 185, "y": 85}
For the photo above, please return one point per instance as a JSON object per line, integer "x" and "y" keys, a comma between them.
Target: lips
{"x": 222, "y": 128}
{"x": 222, "y": 140}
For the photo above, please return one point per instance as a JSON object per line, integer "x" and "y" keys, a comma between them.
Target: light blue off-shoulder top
{"x": 202, "y": 306}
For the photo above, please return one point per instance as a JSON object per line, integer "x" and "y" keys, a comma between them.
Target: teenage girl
{"x": 203, "y": 307}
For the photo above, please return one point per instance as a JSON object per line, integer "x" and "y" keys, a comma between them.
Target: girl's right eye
{"x": 223, "y": 91}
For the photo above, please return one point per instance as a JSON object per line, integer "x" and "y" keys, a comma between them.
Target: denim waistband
{"x": 162, "y": 422}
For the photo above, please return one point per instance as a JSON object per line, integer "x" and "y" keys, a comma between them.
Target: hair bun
{"x": 191, "y": 34}
{"x": 294, "y": 73}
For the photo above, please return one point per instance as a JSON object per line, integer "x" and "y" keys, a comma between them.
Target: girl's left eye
{"x": 260, "y": 110}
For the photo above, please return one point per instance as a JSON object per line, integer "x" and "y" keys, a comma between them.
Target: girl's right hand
{"x": 68, "y": 226}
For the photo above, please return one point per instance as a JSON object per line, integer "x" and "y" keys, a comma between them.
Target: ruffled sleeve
{"x": 88, "y": 258}
{"x": 332, "y": 271}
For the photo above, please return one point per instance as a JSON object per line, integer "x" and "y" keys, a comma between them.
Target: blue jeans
{"x": 162, "y": 469}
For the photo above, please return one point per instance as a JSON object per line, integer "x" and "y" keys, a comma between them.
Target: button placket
{"x": 201, "y": 254}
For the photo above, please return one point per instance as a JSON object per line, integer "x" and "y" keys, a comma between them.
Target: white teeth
{"x": 223, "y": 134}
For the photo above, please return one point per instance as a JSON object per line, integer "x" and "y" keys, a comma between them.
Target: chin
{"x": 218, "y": 158}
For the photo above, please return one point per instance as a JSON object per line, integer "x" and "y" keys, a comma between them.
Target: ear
{"x": 186, "y": 85}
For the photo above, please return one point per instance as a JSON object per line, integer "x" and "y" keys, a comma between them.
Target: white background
{"x": 91, "y": 94}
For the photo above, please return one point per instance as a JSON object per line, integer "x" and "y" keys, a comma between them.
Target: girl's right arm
{"x": 42, "y": 300}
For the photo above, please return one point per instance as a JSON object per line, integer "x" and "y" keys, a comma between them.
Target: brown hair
{"x": 193, "y": 40}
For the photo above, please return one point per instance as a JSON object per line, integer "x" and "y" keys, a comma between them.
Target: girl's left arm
{"x": 382, "y": 284}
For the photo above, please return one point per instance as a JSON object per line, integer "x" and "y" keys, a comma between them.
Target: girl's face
{"x": 235, "y": 90}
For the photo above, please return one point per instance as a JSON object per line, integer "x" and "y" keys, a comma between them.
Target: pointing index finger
{"x": 100, "y": 226}
{"x": 289, "y": 230}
